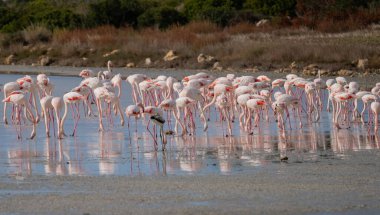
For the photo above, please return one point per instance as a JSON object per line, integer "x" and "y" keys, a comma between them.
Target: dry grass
{"x": 242, "y": 45}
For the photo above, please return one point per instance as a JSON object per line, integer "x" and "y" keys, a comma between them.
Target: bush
{"x": 36, "y": 33}
{"x": 114, "y": 12}
{"x": 271, "y": 7}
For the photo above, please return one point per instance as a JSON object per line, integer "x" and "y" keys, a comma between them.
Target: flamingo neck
{"x": 64, "y": 116}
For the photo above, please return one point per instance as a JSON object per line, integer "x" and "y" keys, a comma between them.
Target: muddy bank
{"x": 348, "y": 186}
{"x": 368, "y": 79}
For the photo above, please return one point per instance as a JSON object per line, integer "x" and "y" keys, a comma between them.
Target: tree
{"x": 217, "y": 11}
{"x": 114, "y": 12}
{"x": 162, "y": 17}
{"x": 272, "y": 7}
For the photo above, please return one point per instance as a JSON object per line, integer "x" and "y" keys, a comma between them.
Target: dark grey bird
{"x": 160, "y": 121}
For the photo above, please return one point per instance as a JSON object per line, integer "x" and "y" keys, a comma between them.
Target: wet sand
{"x": 344, "y": 187}
{"x": 328, "y": 172}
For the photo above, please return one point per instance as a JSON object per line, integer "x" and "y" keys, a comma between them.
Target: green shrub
{"x": 114, "y": 12}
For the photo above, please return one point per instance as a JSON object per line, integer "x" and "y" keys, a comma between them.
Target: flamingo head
{"x": 186, "y": 79}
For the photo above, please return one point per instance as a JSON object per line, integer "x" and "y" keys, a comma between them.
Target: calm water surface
{"x": 119, "y": 151}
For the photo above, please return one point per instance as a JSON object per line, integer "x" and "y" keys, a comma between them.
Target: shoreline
{"x": 329, "y": 187}
{"x": 369, "y": 80}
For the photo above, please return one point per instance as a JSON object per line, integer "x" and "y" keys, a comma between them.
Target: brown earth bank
{"x": 347, "y": 186}
{"x": 197, "y": 46}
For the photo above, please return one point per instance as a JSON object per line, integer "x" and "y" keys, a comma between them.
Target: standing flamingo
{"x": 72, "y": 98}
{"x": 375, "y": 107}
{"x": 49, "y": 103}
{"x": 18, "y": 99}
{"x": 8, "y": 89}
{"x": 135, "y": 111}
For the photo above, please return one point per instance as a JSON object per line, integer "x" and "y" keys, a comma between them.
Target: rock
{"x": 9, "y": 60}
{"x": 345, "y": 72}
{"x": 148, "y": 61}
{"x": 310, "y": 70}
{"x": 362, "y": 64}
{"x": 325, "y": 72}
{"x": 312, "y": 66}
{"x": 45, "y": 60}
{"x": 111, "y": 53}
{"x": 217, "y": 66}
{"x": 49, "y": 50}
{"x": 202, "y": 58}
{"x": 84, "y": 59}
{"x": 293, "y": 65}
{"x": 252, "y": 70}
{"x": 262, "y": 22}
{"x": 171, "y": 55}
{"x": 131, "y": 65}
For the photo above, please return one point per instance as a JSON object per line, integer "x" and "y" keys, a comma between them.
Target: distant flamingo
{"x": 367, "y": 98}
{"x": 375, "y": 107}
{"x": 86, "y": 73}
{"x": 134, "y": 111}
{"x": 224, "y": 105}
{"x": 107, "y": 74}
{"x": 116, "y": 82}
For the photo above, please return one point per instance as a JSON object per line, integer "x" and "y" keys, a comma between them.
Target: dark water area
{"x": 122, "y": 151}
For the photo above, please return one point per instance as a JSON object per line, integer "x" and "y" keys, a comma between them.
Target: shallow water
{"x": 122, "y": 151}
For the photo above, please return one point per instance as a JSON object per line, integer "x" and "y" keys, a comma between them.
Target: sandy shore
{"x": 334, "y": 187}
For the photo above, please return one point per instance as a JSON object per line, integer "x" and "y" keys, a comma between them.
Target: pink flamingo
{"x": 254, "y": 105}
{"x": 195, "y": 94}
{"x": 134, "y": 80}
{"x": 223, "y": 104}
{"x": 107, "y": 74}
{"x": 8, "y": 89}
{"x": 49, "y": 103}
{"x": 85, "y": 91}
{"x": 86, "y": 73}
{"x": 342, "y": 99}
{"x": 116, "y": 82}
{"x": 134, "y": 111}
{"x": 182, "y": 103}
{"x": 375, "y": 107}
{"x": 368, "y": 98}
{"x": 18, "y": 99}
{"x": 72, "y": 98}
{"x": 171, "y": 105}
{"x": 44, "y": 84}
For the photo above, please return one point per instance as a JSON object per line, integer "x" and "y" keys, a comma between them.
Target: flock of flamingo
{"x": 246, "y": 99}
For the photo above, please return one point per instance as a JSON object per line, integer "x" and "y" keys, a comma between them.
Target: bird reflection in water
{"x": 55, "y": 158}
{"x": 19, "y": 159}
{"x": 110, "y": 149}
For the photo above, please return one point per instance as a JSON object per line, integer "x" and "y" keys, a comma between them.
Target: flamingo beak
{"x": 8, "y": 99}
